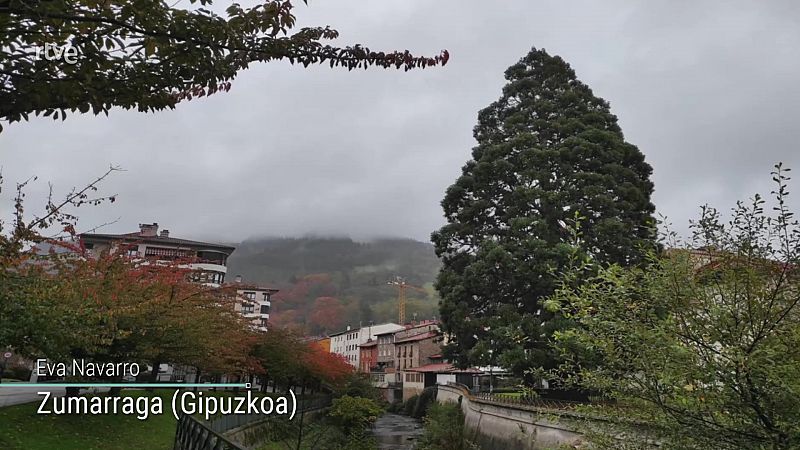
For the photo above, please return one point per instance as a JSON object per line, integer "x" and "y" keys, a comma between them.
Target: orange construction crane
{"x": 401, "y": 296}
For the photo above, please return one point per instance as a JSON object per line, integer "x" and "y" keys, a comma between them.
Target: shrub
{"x": 409, "y": 405}
{"x": 444, "y": 428}
{"x": 17, "y": 373}
{"x": 353, "y": 414}
{"x": 359, "y": 385}
{"x": 424, "y": 401}
{"x": 395, "y": 407}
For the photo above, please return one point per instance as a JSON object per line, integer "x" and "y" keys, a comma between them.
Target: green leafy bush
{"x": 354, "y": 414}
{"x": 410, "y": 404}
{"x": 424, "y": 401}
{"x": 17, "y": 373}
{"x": 444, "y": 428}
{"x": 395, "y": 407}
{"x": 700, "y": 345}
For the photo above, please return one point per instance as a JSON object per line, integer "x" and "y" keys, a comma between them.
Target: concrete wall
{"x": 410, "y": 386}
{"x": 514, "y": 427}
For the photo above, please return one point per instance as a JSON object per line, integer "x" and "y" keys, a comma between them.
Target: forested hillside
{"x": 329, "y": 283}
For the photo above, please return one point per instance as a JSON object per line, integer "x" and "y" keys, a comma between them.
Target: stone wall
{"x": 494, "y": 425}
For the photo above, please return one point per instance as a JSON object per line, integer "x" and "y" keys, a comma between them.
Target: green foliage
{"x": 359, "y": 385}
{"x": 548, "y": 150}
{"x": 150, "y": 54}
{"x": 318, "y": 434}
{"x": 444, "y": 429}
{"x": 410, "y": 404}
{"x": 702, "y": 346}
{"x": 354, "y": 414}
{"x": 395, "y": 408}
{"x": 17, "y": 373}
{"x": 424, "y": 401}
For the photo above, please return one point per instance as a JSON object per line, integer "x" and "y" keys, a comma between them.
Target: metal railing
{"x": 528, "y": 400}
{"x": 193, "y": 434}
{"x": 520, "y": 399}
{"x": 225, "y": 423}
{"x": 196, "y": 434}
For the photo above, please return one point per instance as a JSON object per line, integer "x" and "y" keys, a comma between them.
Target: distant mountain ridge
{"x": 276, "y": 260}
{"x": 353, "y": 273}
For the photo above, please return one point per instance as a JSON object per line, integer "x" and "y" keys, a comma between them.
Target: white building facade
{"x": 254, "y": 302}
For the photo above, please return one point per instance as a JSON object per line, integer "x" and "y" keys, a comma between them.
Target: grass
{"x": 22, "y": 429}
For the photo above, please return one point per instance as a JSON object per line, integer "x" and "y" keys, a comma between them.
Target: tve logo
{"x": 55, "y": 52}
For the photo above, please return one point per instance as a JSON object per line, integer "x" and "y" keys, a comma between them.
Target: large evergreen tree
{"x": 548, "y": 151}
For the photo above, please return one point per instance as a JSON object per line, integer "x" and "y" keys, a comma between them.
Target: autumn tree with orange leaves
{"x": 26, "y": 322}
{"x": 290, "y": 362}
{"x": 115, "y": 309}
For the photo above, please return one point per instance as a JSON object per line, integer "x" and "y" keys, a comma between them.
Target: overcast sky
{"x": 708, "y": 91}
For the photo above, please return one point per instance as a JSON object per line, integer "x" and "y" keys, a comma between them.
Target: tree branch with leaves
{"x": 151, "y": 55}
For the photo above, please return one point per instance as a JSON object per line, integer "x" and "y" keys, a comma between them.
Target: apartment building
{"x": 368, "y": 355}
{"x": 207, "y": 260}
{"x": 385, "y": 358}
{"x": 208, "y": 264}
{"x": 253, "y": 302}
{"x": 418, "y": 345}
{"x": 347, "y": 343}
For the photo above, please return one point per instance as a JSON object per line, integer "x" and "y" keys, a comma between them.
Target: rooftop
{"x": 148, "y": 234}
{"x": 418, "y": 337}
{"x": 424, "y": 323}
{"x": 250, "y": 287}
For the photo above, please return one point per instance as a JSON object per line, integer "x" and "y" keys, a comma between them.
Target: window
{"x": 267, "y": 296}
{"x": 249, "y": 295}
{"x": 167, "y": 253}
{"x": 264, "y": 309}
{"x": 207, "y": 277}
{"x": 247, "y": 308}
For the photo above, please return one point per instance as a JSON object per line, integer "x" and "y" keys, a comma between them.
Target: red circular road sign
{"x": 7, "y": 355}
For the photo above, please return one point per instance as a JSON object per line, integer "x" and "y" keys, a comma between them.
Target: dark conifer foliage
{"x": 548, "y": 151}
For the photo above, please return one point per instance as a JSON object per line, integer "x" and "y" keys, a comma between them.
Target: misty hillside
{"x": 328, "y": 283}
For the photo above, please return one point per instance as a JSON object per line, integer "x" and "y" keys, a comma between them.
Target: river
{"x": 396, "y": 432}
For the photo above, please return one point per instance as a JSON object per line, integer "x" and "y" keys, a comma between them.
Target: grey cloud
{"x": 705, "y": 89}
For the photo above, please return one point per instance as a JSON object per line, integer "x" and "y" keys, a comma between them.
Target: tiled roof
{"x": 424, "y": 323}
{"x": 418, "y": 337}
